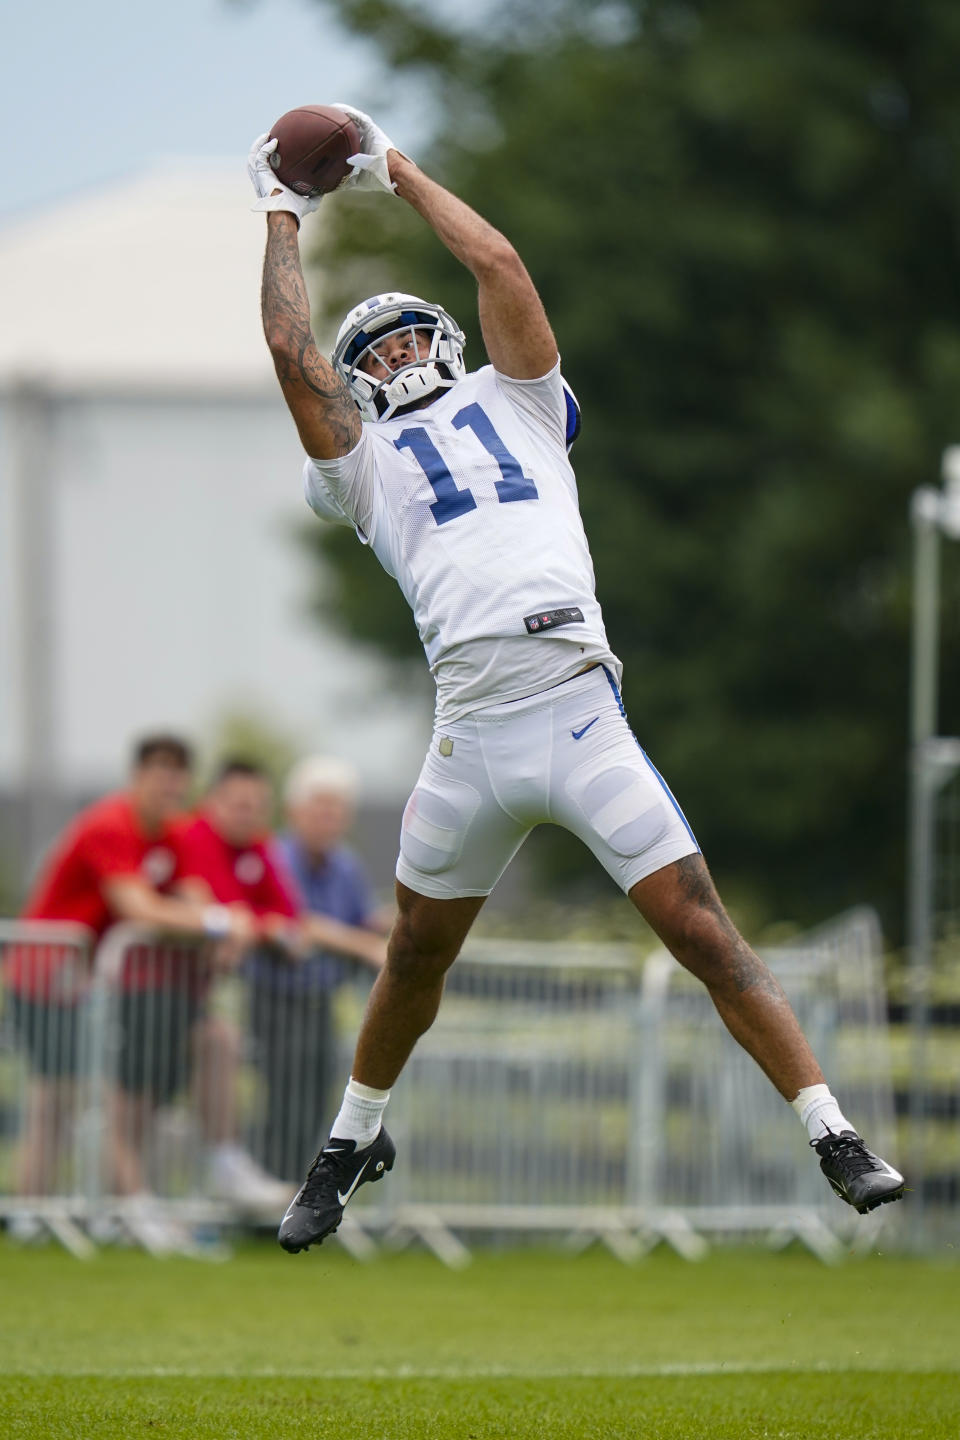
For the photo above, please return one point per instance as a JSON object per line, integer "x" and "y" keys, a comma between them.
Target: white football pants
{"x": 566, "y": 756}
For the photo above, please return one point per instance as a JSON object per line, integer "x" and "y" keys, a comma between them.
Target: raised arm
{"x": 321, "y": 405}
{"x": 516, "y": 331}
{"x": 515, "y": 327}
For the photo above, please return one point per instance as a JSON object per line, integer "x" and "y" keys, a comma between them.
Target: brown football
{"x": 313, "y": 143}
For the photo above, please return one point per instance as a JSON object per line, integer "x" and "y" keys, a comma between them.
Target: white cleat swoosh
{"x": 354, "y": 1183}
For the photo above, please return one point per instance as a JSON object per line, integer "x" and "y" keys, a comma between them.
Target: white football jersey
{"x": 471, "y": 504}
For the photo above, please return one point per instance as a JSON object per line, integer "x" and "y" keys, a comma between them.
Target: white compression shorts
{"x": 565, "y": 756}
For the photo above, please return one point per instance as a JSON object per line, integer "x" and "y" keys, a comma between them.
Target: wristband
{"x": 216, "y": 921}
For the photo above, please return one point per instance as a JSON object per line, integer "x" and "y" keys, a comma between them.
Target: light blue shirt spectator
{"x": 329, "y": 879}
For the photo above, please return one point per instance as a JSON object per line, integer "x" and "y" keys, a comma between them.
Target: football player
{"x": 460, "y": 483}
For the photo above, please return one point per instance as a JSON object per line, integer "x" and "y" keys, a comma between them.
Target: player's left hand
{"x": 370, "y": 169}
{"x": 272, "y": 194}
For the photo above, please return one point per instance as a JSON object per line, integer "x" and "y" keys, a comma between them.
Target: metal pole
{"x": 33, "y": 413}
{"x": 925, "y": 511}
{"x": 922, "y": 816}
{"x": 932, "y": 762}
{"x": 925, "y": 515}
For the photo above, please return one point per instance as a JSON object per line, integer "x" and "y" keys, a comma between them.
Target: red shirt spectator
{"x": 116, "y": 861}
{"x": 245, "y": 872}
{"x": 227, "y": 846}
{"x": 105, "y": 841}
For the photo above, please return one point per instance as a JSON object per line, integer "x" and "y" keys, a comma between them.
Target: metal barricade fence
{"x": 716, "y": 1149}
{"x": 514, "y": 1112}
{"x": 563, "y": 1088}
{"x": 44, "y": 1063}
{"x": 149, "y": 1086}
{"x": 935, "y": 1059}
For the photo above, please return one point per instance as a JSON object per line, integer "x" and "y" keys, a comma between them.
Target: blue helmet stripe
{"x": 363, "y": 338}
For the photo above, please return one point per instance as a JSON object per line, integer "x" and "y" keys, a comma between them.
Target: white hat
{"x": 320, "y": 775}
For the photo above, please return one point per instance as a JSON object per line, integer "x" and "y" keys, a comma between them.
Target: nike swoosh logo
{"x": 579, "y": 734}
{"x": 354, "y": 1183}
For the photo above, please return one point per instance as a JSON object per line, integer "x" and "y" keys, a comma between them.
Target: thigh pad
{"x": 435, "y": 824}
{"x": 622, "y": 804}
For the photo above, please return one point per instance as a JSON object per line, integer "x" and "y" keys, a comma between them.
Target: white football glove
{"x": 263, "y": 177}
{"x": 370, "y": 168}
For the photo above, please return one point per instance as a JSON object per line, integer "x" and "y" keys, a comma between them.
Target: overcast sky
{"x": 91, "y": 90}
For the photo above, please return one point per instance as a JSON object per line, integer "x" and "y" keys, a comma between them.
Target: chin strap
{"x": 414, "y": 384}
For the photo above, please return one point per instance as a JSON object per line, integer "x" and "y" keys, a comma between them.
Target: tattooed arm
{"x": 321, "y": 405}
{"x": 516, "y": 331}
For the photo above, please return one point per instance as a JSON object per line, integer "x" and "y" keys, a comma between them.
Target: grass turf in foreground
{"x": 774, "y": 1406}
{"x": 521, "y": 1344}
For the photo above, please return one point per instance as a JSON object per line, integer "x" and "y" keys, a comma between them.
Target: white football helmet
{"x": 368, "y": 324}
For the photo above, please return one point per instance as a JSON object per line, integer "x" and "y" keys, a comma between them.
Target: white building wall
{"x": 9, "y": 745}
{"x": 178, "y": 588}
{"x": 180, "y": 594}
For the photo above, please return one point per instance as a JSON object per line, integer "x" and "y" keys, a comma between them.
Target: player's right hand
{"x": 271, "y": 193}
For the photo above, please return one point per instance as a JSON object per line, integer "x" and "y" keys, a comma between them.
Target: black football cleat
{"x": 317, "y": 1208}
{"x": 855, "y": 1173}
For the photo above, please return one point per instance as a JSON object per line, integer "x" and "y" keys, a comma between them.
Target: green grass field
{"x": 529, "y": 1344}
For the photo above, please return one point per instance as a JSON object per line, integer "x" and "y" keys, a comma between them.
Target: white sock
{"x": 360, "y": 1114}
{"x": 819, "y": 1112}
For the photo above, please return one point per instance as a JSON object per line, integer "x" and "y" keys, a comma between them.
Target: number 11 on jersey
{"x": 452, "y": 502}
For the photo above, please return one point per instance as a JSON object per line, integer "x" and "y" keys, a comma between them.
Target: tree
{"x": 743, "y": 221}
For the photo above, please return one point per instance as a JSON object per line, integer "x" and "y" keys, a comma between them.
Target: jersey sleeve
{"x": 320, "y": 497}
{"x": 548, "y": 402}
{"x": 343, "y": 490}
{"x": 110, "y": 852}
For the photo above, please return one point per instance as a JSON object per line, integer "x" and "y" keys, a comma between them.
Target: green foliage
{"x": 743, "y": 221}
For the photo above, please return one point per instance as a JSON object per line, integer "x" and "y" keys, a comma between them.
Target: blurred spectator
{"x": 120, "y": 859}
{"x": 227, "y": 851}
{"x": 227, "y": 847}
{"x": 292, "y": 999}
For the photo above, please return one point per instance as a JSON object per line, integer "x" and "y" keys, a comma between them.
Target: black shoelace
{"x": 326, "y": 1169}
{"x": 850, "y": 1151}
